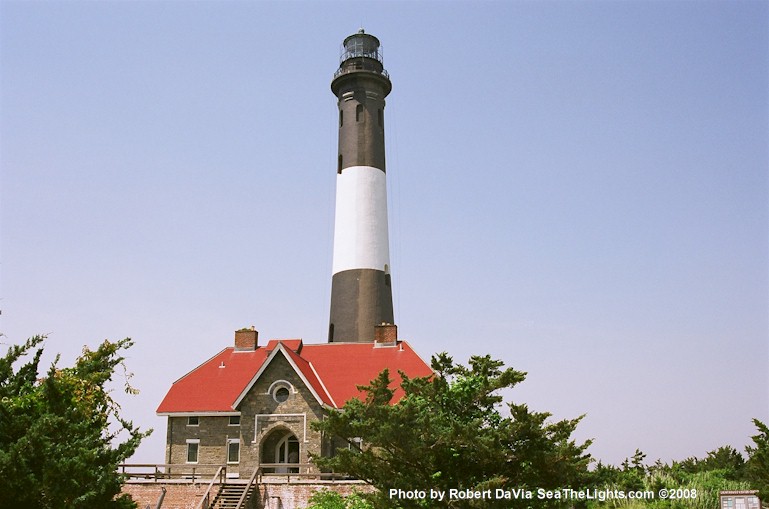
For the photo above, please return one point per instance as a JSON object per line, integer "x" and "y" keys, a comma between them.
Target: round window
{"x": 281, "y": 394}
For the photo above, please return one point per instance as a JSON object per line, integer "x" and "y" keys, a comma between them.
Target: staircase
{"x": 230, "y": 494}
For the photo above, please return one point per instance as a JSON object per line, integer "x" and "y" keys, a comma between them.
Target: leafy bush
{"x": 327, "y": 499}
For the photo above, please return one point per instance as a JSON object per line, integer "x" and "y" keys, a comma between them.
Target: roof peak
{"x": 294, "y": 345}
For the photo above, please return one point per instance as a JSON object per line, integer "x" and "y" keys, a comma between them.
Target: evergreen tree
{"x": 757, "y": 466}
{"x": 57, "y": 448}
{"x": 447, "y": 432}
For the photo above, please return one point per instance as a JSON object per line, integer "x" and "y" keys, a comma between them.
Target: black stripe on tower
{"x": 360, "y": 299}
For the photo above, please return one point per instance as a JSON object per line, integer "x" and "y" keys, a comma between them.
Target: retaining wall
{"x": 272, "y": 494}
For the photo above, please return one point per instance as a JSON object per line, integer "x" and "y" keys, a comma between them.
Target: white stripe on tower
{"x": 360, "y": 229}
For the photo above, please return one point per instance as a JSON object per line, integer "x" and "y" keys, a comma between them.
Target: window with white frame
{"x": 233, "y": 450}
{"x": 193, "y": 420}
{"x": 193, "y": 446}
{"x": 355, "y": 444}
{"x": 281, "y": 390}
{"x": 234, "y": 420}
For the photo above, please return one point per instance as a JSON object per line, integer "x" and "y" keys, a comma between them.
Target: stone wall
{"x": 213, "y": 433}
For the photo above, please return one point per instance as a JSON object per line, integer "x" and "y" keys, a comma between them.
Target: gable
{"x": 300, "y": 368}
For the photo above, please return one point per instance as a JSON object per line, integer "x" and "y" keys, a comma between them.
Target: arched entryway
{"x": 281, "y": 446}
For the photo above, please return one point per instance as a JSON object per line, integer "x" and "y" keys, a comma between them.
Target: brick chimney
{"x": 245, "y": 339}
{"x": 385, "y": 334}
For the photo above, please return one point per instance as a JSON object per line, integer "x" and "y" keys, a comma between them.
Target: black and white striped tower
{"x": 361, "y": 293}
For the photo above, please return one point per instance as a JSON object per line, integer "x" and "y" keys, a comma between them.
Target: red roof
{"x": 332, "y": 371}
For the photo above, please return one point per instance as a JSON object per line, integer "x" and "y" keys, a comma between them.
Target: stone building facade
{"x": 250, "y": 406}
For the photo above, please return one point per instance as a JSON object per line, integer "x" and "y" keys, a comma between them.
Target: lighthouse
{"x": 361, "y": 288}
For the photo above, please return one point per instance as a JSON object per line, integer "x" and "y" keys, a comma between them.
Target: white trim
{"x": 232, "y": 441}
{"x": 256, "y": 376}
{"x": 281, "y": 382}
{"x": 358, "y": 440}
{"x": 278, "y": 416}
{"x": 274, "y": 392}
{"x": 190, "y": 441}
{"x": 322, "y": 384}
{"x": 286, "y": 440}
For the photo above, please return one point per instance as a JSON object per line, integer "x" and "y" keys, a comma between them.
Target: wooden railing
{"x": 297, "y": 470}
{"x": 203, "y": 472}
{"x": 164, "y": 471}
{"x": 247, "y": 492}
{"x": 221, "y": 474}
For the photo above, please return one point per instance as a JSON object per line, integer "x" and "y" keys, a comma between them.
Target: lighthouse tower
{"x": 361, "y": 293}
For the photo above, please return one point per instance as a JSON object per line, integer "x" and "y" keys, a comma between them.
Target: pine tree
{"x": 59, "y": 434}
{"x": 757, "y": 466}
{"x": 447, "y": 432}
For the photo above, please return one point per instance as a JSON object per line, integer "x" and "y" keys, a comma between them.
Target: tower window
{"x": 359, "y": 113}
{"x": 380, "y": 117}
{"x": 339, "y": 164}
{"x": 341, "y": 118}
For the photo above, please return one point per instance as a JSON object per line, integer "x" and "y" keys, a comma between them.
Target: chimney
{"x": 385, "y": 334}
{"x": 245, "y": 339}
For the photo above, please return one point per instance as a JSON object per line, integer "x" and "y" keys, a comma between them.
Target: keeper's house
{"x": 250, "y": 405}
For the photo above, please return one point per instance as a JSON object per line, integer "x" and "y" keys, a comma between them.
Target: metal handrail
{"x": 221, "y": 473}
{"x": 346, "y": 70}
{"x": 162, "y": 496}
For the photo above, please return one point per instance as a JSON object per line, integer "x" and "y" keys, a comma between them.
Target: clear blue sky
{"x": 577, "y": 188}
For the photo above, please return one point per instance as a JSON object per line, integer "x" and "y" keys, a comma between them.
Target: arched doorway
{"x": 281, "y": 446}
